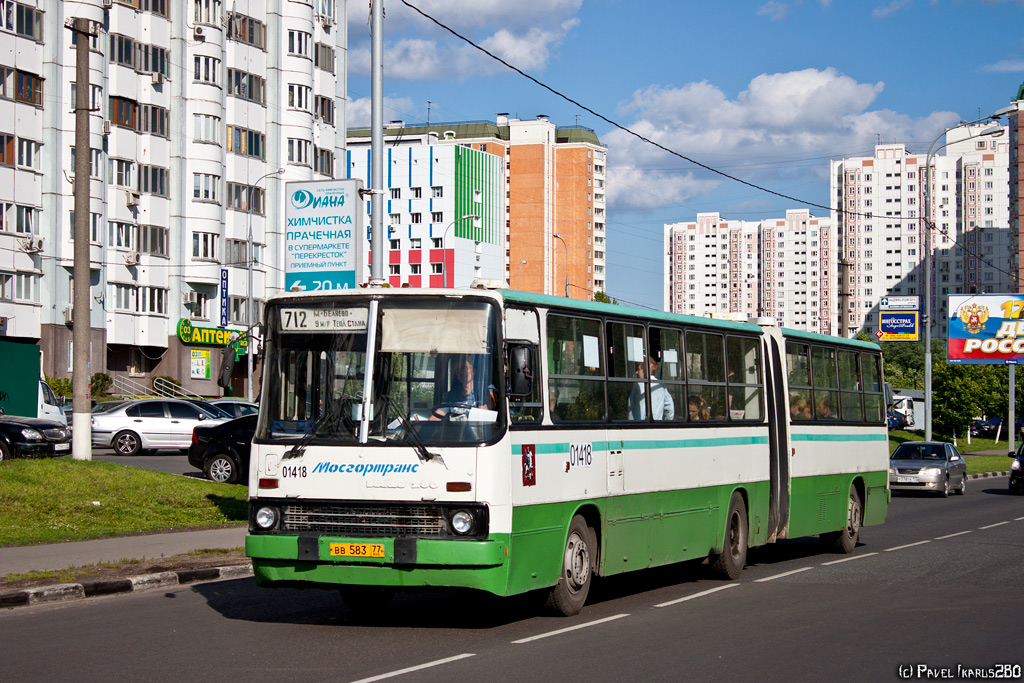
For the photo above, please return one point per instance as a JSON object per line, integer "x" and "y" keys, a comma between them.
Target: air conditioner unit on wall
{"x": 107, "y": 4}
{"x": 198, "y": 33}
{"x": 69, "y": 313}
{"x": 106, "y": 128}
{"x": 158, "y": 78}
{"x": 32, "y": 245}
{"x": 131, "y": 258}
{"x": 131, "y": 198}
{"x": 190, "y": 298}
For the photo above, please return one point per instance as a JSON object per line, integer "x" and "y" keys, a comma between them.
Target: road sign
{"x": 901, "y": 326}
{"x": 899, "y": 303}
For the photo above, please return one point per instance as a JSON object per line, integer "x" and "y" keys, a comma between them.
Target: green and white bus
{"x": 512, "y": 442}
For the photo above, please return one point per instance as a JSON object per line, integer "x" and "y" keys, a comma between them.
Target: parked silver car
{"x": 933, "y": 466}
{"x": 151, "y": 423}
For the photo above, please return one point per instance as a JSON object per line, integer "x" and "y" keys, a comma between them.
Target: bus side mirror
{"x": 520, "y": 370}
{"x": 227, "y": 366}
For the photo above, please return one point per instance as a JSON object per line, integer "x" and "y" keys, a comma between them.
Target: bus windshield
{"x": 433, "y": 382}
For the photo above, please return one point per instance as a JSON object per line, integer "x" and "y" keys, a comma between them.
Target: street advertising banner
{"x": 323, "y": 235}
{"x": 985, "y": 329}
{"x": 897, "y": 326}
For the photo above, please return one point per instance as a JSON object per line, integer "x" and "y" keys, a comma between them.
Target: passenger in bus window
{"x": 696, "y": 408}
{"x": 824, "y": 408}
{"x": 466, "y": 392}
{"x": 662, "y": 405}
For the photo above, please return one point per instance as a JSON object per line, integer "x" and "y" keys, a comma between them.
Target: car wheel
{"x": 127, "y": 443}
{"x": 729, "y": 564}
{"x": 570, "y": 593}
{"x": 5, "y": 454}
{"x": 962, "y": 489}
{"x": 945, "y": 488}
{"x": 221, "y": 468}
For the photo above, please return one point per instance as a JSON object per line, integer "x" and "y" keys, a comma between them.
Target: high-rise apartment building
{"x": 880, "y": 224}
{"x": 778, "y": 268}
{"x": 1016, "y": 172}
{"x": 196, "y": 105}
{"x": 554, "y": 197}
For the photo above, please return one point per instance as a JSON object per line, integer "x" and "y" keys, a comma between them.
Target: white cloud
{"x": 417, "y": 49}
{"x": 782, "y": 127}
{"x": 1005, "y": 66}
{"x": 395, "y": 108}
{"x": 893, "y": 7}
{"x": 776, "y": 11}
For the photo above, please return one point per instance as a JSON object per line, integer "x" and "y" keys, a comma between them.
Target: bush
{"x": 62, "y": 386}
{"x": 100, "y": 384}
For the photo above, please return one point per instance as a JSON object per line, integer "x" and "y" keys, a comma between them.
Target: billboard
{"x": 323, "y": 235}
{"x": 897, "y": 326}
{"x": 985, "y": 329}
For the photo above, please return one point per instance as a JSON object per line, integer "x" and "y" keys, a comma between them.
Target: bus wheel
{"x": 366, "y": 600}
{"x": 846, "y": 540}
{"x": 730, "y": 562}
{"x": 569, "y": 594}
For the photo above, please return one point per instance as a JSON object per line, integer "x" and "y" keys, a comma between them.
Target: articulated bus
{"x": 513, "y": 442}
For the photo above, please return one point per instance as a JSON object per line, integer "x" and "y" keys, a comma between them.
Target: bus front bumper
{"x": 291, "y": 560}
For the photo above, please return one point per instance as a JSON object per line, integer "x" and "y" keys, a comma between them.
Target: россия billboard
{"x": 986, "y": 329}
{"x": 323, "y": 235}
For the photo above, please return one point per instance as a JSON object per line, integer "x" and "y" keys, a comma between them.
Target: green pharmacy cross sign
{"x": 191, "y": 335}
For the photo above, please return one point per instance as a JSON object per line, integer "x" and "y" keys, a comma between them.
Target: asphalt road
{"x": 170, "y": 461}
{"x": 937, "y": 586}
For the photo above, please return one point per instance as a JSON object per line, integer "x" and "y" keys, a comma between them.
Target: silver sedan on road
{"x": 933, "y": 466}
{"x": 148, "y": 424}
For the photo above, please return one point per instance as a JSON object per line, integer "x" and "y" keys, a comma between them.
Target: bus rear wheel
{"x": 846, "y": 540}
{"x": 570, "y": 593}
{"x": 730, "y": 562}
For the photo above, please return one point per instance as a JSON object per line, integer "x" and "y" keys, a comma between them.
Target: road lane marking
{"x": 991, "y": 526}
{"x": 566, "y": 630}
{"x": 959, "y": 533}
{"x": 1017, "y": 519}
{"x": 697, "y": 595}
{"x": 847, "y": 559}
{"x": 909, "y": 545}
{"x": 779, "y": 576}
{"x": 419, "y": 667}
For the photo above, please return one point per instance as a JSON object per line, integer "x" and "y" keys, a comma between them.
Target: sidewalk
{"x": 54, "y": 556}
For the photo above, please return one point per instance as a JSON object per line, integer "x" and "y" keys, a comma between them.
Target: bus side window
{"x": 575, "y": 369}
{"x": 528, "y": 408}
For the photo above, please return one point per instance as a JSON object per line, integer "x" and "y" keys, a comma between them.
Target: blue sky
{"x": 765, "y": 91}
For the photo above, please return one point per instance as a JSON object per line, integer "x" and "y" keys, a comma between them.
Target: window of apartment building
{"x": 300, "y": 97}
{"x": 206, "y": 70}
{"x": 247, "y": 86}
{"x": 246, "y": 142}
{"x": 153, "y": 180}
{"x": 415, "y": 243}
{"x": 394, "y": 218}
{"x": 437, "y": 216}
{"x": 416, "y": 192}
{"x": 152, "y": 59}
{"x": 415, "y": 269}
{"x": 122, "y": 235}
{"x": 153, "y": 300}
{"x": 204, "y": 187}
{"x": 28, "y": 154}
{"x": 436, "y": 191}
{"x": 235, "y": 253}
{"x": 299, "y": 43}
{"x": 238, "y": 309}
{"x": 206, "y": 127}
{"x": 436, "y": 268}
{"x": 125, "y": 297}
{"x": 206, "y": 11}
{"x": 245, "y": 198}
{"x": 204, "y": 246}
{"x": 298, "y": 151}
{"x": 122, "y": 173}
{"x": 323, "y": 161}
{"x": 394, "y": 269}
{"x": 95, "y": 221}
{"x": 153, "y": 240}
{"x": 95, "y": 94}
{"x": 415, "y": 218}
{"x": 124, "y": 112}
{"x": 153, "y": 120}
{"x": 18, "y": 218}
{"x": 396, "y": 193}
{"x": 395, "y": 244}
{"x": 122, "y": 50}
{"x": 22, "y": 19}
{"x": 323, "y": 109}
{"x": 323, "y": 57}
{"x": 247, "y": 30}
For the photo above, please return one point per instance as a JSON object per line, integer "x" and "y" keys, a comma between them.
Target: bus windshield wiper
{"x": 332, "y": 418}
{"x": 413, "y": 435}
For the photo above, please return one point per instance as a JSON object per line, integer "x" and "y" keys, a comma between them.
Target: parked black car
{"x": 1017, "y": 472}
{"x": 31, "y": 437}
{"x": 222, "y": 450}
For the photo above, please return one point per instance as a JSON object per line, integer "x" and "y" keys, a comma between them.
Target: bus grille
{"x": 340, "y": 519}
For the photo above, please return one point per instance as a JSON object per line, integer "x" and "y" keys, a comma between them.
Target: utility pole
{"x": 81, "y": 419}
{"x": 376, "y": 143}
{"x": 844, "y": 293}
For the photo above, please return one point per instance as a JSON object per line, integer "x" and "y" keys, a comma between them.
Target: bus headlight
{"x": 266, "y": 518}
{"x": 463, "y": 522}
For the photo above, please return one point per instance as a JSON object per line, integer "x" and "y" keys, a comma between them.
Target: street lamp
{"x": 249, "y": 255}
{"x": 557, "y": 237}
{"x": 520, "y": 284}
{"x": 444, "y": 241}
{"x": 929, "y": 224}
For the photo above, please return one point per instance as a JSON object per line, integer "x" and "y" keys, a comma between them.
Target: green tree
{"x": 604, "y": 298}
{"x": 955, "y": 391}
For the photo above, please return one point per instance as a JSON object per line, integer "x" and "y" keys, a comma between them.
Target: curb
{"x": 64, "y": 592}
{"x": 986, "y": 475}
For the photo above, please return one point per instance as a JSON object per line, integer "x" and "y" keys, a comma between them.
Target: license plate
{"x": 357, "y": 550}
{"x": 906, "y": 480}
{"x": 62, "y": 447}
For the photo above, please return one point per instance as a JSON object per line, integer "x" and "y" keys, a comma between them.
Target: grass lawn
{"x": 54, "y": 500}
